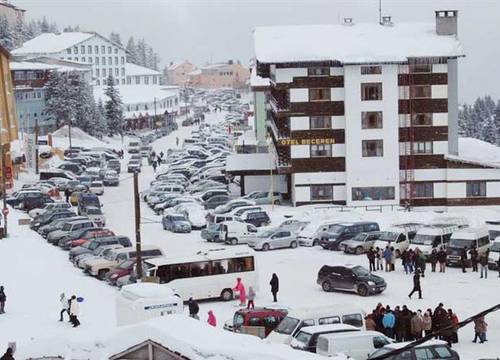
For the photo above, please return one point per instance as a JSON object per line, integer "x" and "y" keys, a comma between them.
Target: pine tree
{"x": 20, "y": 32}
{"x": 33, "y": 30}
{"x": 113, "y": 108}
{"x": 497, "y": 120}
{"x": 141, "y": 53}
{"x": 489, "y": 131}
{"x": 115, "y": 37}
{"x": 99, "y": 120}
{"x": 132, "y": 51}
{"x": 61, "y": 97}
{"x": 84, "y": 107}
{"x": 7, "y": 38}
{"x": 44, "y": 25}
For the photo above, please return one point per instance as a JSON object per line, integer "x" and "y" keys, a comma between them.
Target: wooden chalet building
{"x": 366, "y": 114}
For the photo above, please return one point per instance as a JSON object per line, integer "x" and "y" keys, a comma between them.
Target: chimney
{"x": 387, "y": 21}
{"x": 348, "y": 21}
{"x": 446, "y": 22}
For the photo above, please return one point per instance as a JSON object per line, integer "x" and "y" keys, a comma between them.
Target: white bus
{"x": 206, "y": 274}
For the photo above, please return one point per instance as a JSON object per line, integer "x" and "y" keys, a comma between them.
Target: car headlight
{"x": 371, "y": 283}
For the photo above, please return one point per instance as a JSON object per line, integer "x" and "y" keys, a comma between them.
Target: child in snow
{"x": 241, "y": 289}
{"x": 211, "y": 318}
{"x": 65, "y": 306}
{"x": 251, "y": 297}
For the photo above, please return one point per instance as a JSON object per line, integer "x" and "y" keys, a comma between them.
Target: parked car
{"x": 73, "y": 167}
{"x": 96, "y": 187}
{"x": 360, "y": 243}
{"x": 50, "y": 206}
{"x": 67, "y": 228}
{"x": 123, "y": 269}
{"x": 350, "y": 278}
{"x": 468, "y": 238}
{"x": 114, "y": 165}
{"x": 216, "y": 201}
{"x": 111, "y": 178}
{"x": 91, "y": 245}
{"x": 332, "y": 237}
{"x": 307, "y": 338}
{"x": 95, "y": 215}
{"x": 273, "y": 239}
{"x": 429, "y": 350}
{"x": 134, "y": 166}
{"x": 233, "y": 204}
{"x": 259, "y": 321}
{"x": 397, "y": 236}
{"x": 257, "y": 218}
{"x": 356, "y": 345}
{"x": 264, "y": 197}
{"x": 50, "y": 216}
{"x": 80, "y": 237}
{"x": 34, "y": 202}
{"x": 57, "y": 225}
{"x": 176, "y": 223}
{"x": 18, "y": 197}
{"x": 87, "y": 200}
{"x": 211, "y": 232}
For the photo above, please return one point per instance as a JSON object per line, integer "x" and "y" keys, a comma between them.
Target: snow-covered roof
{"x": 133, "y": 70}
{"x": 246, "y": 162}
{"x": 476, "y": 151}
{"x": 29, "y": 65}
{"x": 247, "y": 138}
{"x": 195, "y": 72}
{"x": 258, "y": 81}
{"x": 358, "y": 43}
{"x": 48, "y": 43}
{"x": 136, "y": 94}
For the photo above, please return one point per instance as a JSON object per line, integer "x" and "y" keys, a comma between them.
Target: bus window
{"x": 199, "y": 269}
{"x": 241, "y": 264}
{"x": 219, "y": 267}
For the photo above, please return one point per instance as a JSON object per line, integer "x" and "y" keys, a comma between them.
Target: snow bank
{"x": 477, "y": 151}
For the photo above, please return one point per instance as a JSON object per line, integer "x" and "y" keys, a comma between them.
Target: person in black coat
{"x": 441, "y": 256}
{"x": 416, "y": 285}
{"x": 67, "y": 194}
{"x": 8, "y": 355}
{"x": 474, "y": 259}
{"x": 433, "y": 258}
{"x": 275, "y": 286}
{"x": 3, "y": 299}
{"x": 193, "y": 308}
{"x": 463, "y": 259}
{"x": 371, "y": 259}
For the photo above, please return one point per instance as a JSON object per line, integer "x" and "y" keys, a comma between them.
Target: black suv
{"x": 350, "y": 278}
{"x": 332, "y": 236}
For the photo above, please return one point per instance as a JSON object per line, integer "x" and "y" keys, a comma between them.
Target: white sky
{"x": 218, "y": 30}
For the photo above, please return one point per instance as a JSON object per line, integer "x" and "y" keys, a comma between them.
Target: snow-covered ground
{"x": 34, "y": 273}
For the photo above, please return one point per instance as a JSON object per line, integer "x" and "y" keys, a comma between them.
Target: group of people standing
{"x": 194, "y": 308}
{"x": 403, "y": 324}
{"x": 475, "y": 259}
{"x": 70, "y": 306}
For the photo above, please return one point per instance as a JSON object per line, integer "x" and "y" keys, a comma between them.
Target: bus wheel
{"x": 234, "y": 241}
{"x": 226, "y": 295}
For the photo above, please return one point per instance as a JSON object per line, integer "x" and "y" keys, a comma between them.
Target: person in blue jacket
{"x": 389, "y": 321}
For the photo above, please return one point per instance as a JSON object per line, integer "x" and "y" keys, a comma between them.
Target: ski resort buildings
{"x": 366, "y": 114}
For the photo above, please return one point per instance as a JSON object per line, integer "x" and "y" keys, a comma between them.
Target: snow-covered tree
{"x": 141, "y": 52}
{"x": 84, "y": 107}
{"x": 44, "y": 25}
{"x": 115, "y": 37}
{"x": 7, "y": 38}
{"x": 113, "y": 108}
{"x": 99, "y": 120}
{"x": 132, "y": 51}
{"x": 61, "y": 97}
{"x": 20, "y": 32}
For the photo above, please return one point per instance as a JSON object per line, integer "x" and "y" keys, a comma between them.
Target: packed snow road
{"x": 34, "y": 273}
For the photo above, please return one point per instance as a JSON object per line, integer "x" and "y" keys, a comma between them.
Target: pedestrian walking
{"x": 65, "y": 306}
{"x": 474, "y": 259}
{"x": 193, "y": 309}
{"x": 371, "y": 259}
{"x": 177, "y": 141}
{"x": 454, "y": 321}
{"x": 3, "y": 300}
{"x": 427, "y": 322}
{"x": 154, "y": 165}
{"x": 442, "y": 259}
{"x": 211, "y": 318}
{"x": 417, "y": 325}
{"x": 433, "y": 258}
{"x": 379, "y": 255}
{"x": 483, "y": 262}
{"x": 463, "y": 259}
{"x": 416, "y": 285}
{"x": 74, "y": 310}
{"x": 241, "y": 289}
{"x": 8, "y": 354}
{"x": 67, "y": 194}
{"x": 251, "y": 298}
{"x": 275, "y": 286}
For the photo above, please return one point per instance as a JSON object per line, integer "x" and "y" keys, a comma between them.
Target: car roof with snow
{"x": 329, "y": 327}
{"x": 212, "y": 254}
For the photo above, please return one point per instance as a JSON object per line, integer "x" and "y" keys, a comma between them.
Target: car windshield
{"x": 93, "y": 245}
{"x": 266, "y": 234}
{"x": 94, "y": 211}
{"x": 238, "y": 319}
{"x": 388, "y": 236}
{"x": 303, "y": 337}
{"x": 336, "y": 229}
{"x": 126, "y": 264}
{"x": 66, "y": 227}
{"x": 379, "y": 352}
{"x": 421, "y": 239}
{"x": 494, "y": 234}
{"x": 178, "y": 218}
{"x": 96, "y": 184}
{"x": 287, "y": 325}
{"x": 460, "y": 243}
{"x": 360, "y": 237}
{"x": 495, "y": 246}
{"x": 360, "y": 271}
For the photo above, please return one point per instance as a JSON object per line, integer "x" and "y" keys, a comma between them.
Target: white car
{"x": 195, "y": 213}
{"x": 56, "y": 205}
{"x": 96, "y": 216}
{"x": 97, "y": 187}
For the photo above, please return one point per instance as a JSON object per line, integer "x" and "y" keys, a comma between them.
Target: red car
{"x": 259, "y": 321}
{"x": 123, "y": 269}
{"x": 91, "y": 235}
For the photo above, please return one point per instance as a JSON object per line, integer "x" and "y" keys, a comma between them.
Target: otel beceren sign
{"x": 289, "y": 142}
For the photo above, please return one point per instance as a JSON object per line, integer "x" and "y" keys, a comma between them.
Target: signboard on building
{"x": 289, "y": 142}
{"x": 30, "y": 150}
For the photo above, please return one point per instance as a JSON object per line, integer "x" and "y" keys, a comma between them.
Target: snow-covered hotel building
{"x": 105, "y": 56}
{"x": 366, "y": 114}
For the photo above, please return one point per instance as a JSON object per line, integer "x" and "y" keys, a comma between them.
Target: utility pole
{"x": 380, "y": 11}
{"x": 69, "y": 133}
{"x": 137, "y": 226}
{"x": 37, "y": 131}
{"x": 4, "y": 191}
{"x": 154, "y": 121}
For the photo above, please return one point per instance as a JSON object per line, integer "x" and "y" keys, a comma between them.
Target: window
{"x": 68, "y": 51}
{"x": 89, "y": 49}
{"x": 123, "y": 81}
{"x": 137, "y": 79}
{"x": 371, "y": 120}
{"x": 424, "y": 190}
{"x": 90, "y": 60}
{"x": 110, "y": 60}
{"x": 320, "y": 122}
{"x": 329, "y": 320}
{"x": 129, "y": 80}
{"x": 146, "y": 80}
{"x": 373, "y": 148}
{"x": 421, "y": 68}
{"x": 75, "y": 50}
{"x": 76, "y": 59}
{"x": 373, "y": 193}
{"x": 97, "y": 60}
{"x": 322, "y": 94}
{"x": 379, "y": 341}
{"x": 83, "y": 59}
{"x": 98, "y": 82}
{"x": 420, "y": 91}
{"x": 321, "y": 192}
{"x": 422, "y": 147}
{"x": 103, "y": 72}
{"x": 115, "y": 50}
{"x": 82, "y": 49}
{"x": 476, "y": 188}
{"x": 371, "y": 91}
{"x": 123, "y": 59}
{"x": 424, "y": 354}
{"x": 421, "y": 119}
{"x": 322, "y": 150}
{"x": 96, "y": 49}
{"x": 109, "y": 49}
{"x": 116, "y": 72}
{"x": 103, "y": 49}
{"x": 443, "y": 352}
{"x": 155, "y": 79}
{"x": 318, "y": 71}
{"x": 123, "y": 71}
{"x": 116, "y": 60}
{"x": 371, "y": 70}
{"x": 103, "y": 60}
{"x": 68, "y": 58}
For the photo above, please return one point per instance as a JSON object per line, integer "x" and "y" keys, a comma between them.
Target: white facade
{"x": 140, "y": 75}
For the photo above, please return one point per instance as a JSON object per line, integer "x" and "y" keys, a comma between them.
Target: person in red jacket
{"x": 211, "y": 318}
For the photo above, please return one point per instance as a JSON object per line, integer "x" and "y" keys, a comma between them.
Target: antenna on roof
{"x": 380, "y": 12}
